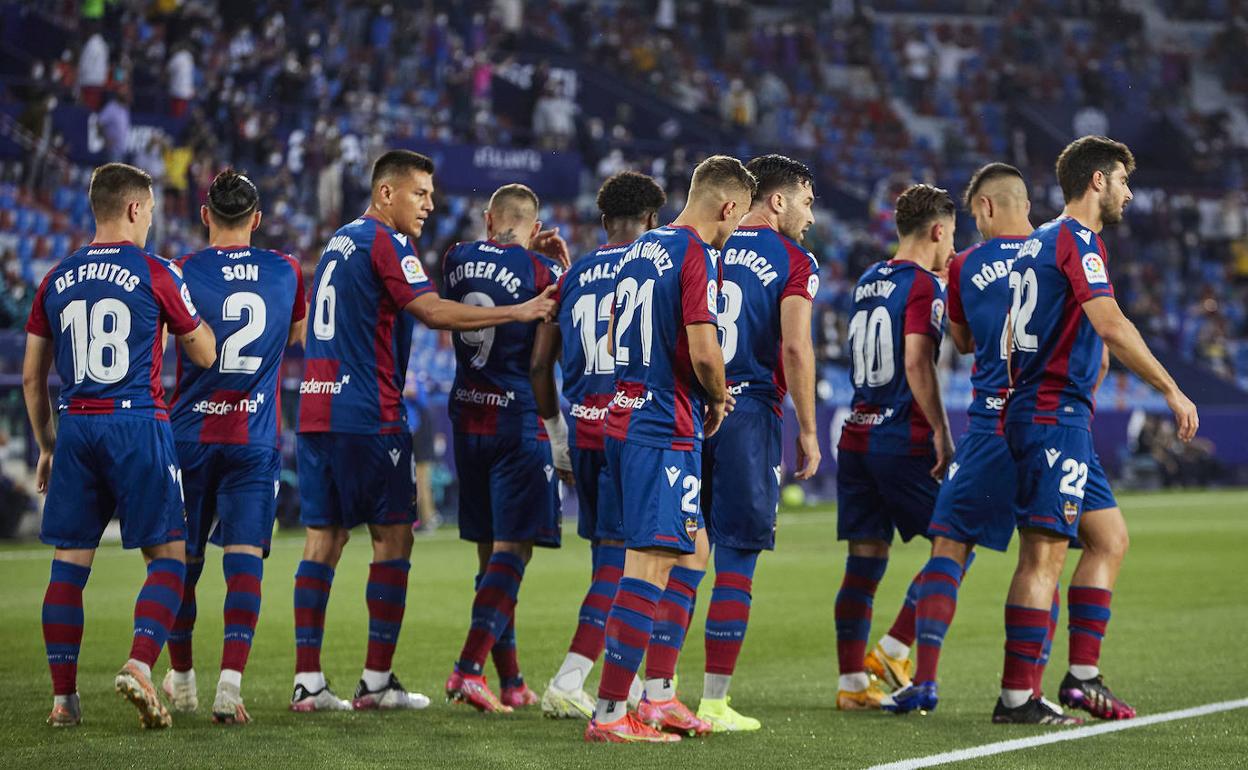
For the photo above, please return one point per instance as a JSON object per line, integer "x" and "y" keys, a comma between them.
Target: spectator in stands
{"x": 93, "y": 71}
{"x": 181, "y": 81}
{"x": 553, "y": 118}
{"x": 115, "y": 126}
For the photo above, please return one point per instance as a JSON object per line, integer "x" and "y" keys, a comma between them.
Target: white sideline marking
{"x": 1001, "y": 747}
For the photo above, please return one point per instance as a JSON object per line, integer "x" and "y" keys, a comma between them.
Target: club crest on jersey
{"x": 1094, "y": 269}
{"x": 812, "y": 286}
{"x": 673, "y": 473}
{"x": 691, "y": 527}
{"x": 712, "y": 297}
{"x": 1070, "y": 511}
{"x": 412, "y": 269}
{"x": 186, "y": 300}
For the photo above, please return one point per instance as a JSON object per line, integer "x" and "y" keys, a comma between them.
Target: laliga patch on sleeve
{"x": 712, "y": 297}
{"x": 938, "y": 312}
{"x": 812, "y": 286}
{"x": 1094, "y": 269}
{"x": 412, "y": 269}
{"x": 186, "y": 300}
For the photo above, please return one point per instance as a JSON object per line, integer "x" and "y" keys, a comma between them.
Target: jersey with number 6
{"x": 761, "y": 268}
{"x": 1056, "y": 355}
{"x": 891, "y": 300}
{"x": 491, "y": 395}
{"x": 359, "y": 337}
{"x": 105, "y": 308}
{"x": 250, "y": 297}
{"x": 666, "y": 280}
{"x": 585, "y": 294}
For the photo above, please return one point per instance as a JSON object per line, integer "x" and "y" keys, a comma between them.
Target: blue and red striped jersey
{"x": 892, "y": 299}
{"x": 250, "y": 297}
{"x": 491, "y": 394}
{"x": 1056, "y": 357}
{"x": 665, "y": 281}
{"x": 105, "y": 308}
{"x": 979, "y": 298}
{"x": 585, "y": 295}
{"x": 761, "y": 267}
{"x": 359, "y": 338}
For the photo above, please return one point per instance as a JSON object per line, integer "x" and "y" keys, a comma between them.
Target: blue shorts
{"x": 232, "y": 486}
{"x": 507, "y": 490}
{"x": 879, "y": 493}
{"x": 976, "y": 500}
{"x": 106, "y": 465}
{"x": 658, "y": 491}
{"x": 598, "y": 518}
{"x": 741, "y": 477}
{"x": 348, "y": 479}
{"x": 1059, "y": 477}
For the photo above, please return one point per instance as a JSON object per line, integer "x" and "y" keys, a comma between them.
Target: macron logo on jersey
{"x": 1086, "y": 235}
{"x": 673, "y": 473}
{"x": 1051, "y": 455}
{"x": 395, "y": 454}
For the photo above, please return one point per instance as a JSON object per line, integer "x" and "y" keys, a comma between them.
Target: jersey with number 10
{"x": 665, "y": 281}
{"x": 105, "y": 308}
{"x": 359, "y": 336}
{"x": 891, "y": 300}
{"x": 1056, "y": 357}
{"x": 250, "y": 297}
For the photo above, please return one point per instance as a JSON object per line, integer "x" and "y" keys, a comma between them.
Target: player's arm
{"x": 961, "y": 334}
{"x": 798, "y": 354}
{"x": 35, "y": 368}
{"x": 547, "y": 344}
{"x": 200, "y": 345}
{"x": 1125, "y": 342}
{"x": 1100, "y": 376}
{"x": 708, "y": 366}
{"x": 925, "y": 385}
{"x": 298, "y": 332}
{"x": 438, "y": 313}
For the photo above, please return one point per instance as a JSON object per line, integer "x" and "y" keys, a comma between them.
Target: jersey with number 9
{"x": 667, "y": 280}
{"x": 250, "y": 297}
{"x": 105, "y": 308}
{"x": 892, "y": 299}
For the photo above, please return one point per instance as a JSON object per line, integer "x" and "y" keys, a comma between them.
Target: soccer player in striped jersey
{"x": 630, "y": 204}
{"x": 225, "y": 424}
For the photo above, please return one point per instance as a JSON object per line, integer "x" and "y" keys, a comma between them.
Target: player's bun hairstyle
{"x": 397, "y": 162}
{"x": 114, "y": 186}
{"x": 919, "y": 205}
{"x": 232, "y": 198}
{"x": 1084, "y": 157}
{"x": 985, "y": 175}
{"x": 514, "y": 201}
{"x": 722, "y": 173}
{"x": 630, "y": 195}
{"x": 777, "y": 173}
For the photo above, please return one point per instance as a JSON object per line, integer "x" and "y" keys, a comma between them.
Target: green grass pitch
{"x": 1176, "y": 640}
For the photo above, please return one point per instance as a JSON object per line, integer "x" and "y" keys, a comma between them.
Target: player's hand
{"x": 808, "y": 456}
{"x": 551, "y": 243}
{"x": 43, "y": 471}
{"x": 730, "y": 402}
{"x": 1185, "y": 417}
{"x": 944, "y": 455}
{"x": 540, "y": 308}
{"x": 715, "y": 412}
{"x": 561, "y": 457}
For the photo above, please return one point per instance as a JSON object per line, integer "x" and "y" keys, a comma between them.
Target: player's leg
{"x": 63, "y": 620}
{"x": 889, "y": 661}
{"x": 1055, "y": 612}
{"x": 198, "y": 486}
{"x": 727, "y": 618}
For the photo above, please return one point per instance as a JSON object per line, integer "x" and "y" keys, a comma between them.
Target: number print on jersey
{"x": 232, "y": 360}
{"x": 101, "y": 337}
{"x": 1075, "y": 479}
{"x": 1024, "y": 290}
{"x": 693, "y": 488}
{"x": 481, "y": 340}
{"x": 730, "y": 310}
{"x": 632, "y": 300}
{"x": 326, "y": 302}
{"x": 871, "y": 341}
{"x": 586, "y": 314}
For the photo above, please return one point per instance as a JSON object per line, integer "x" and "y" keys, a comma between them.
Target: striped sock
{"x": 938, "y": 600}
{"x": 1055, "y": 612}
{"x": 492, "y": 610}
{"x": 243, "y": 573}
{"x": 1088, "y": 611}
{"x": 671, "y": 618}
{"x": 313, "y": 581}
{"x": 505, "y": 657}
{"x": 629, "y": 626}
{"x": 180, "y": 657}
{"x": 1025, "y": 628}
{"x": 62, "y": 624}
{"x": 903, "y": 628}
{"x": 386, "y": 596}
{"x": 156, "y": 608}
{"x": 853, "y": 610}
{"x": 592, "y": 620}
{"x": 729, "y": 613}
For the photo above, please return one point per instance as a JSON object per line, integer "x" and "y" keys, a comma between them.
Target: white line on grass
{"x": 1001, "y": 747}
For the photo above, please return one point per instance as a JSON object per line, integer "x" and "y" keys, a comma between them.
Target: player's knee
{"x": 871, "y": 549}
{"x": 943, "y": 547}
{"x": 522, "y": 549}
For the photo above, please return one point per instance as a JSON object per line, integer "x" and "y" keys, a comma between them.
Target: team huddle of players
{"x": 677, "y": 345}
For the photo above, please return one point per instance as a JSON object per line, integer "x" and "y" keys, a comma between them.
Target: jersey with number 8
{"x": 250, "y": 297}
{"x": 105, "y": 307}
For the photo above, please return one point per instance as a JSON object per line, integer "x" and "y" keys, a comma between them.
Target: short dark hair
{"x": 114, "y": 186}
{"x": 721, "y": 172}
{"x": 1084, "y": 157}
{"x": 986, "y": 174}
{"x": 508, "y": 200}
{"x": 775, "y": 173}
{"x": 394, "y": 162}
{"x": 630, "y": 195}
{"x": 919, "y": 204}
{"x": 232, "y": 198}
